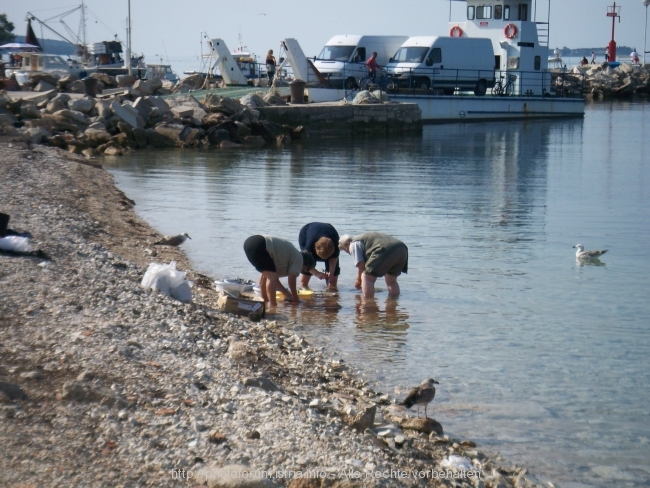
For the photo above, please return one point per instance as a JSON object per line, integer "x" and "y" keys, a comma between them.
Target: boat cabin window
{"x": 498, "y": 11}
{"x": 506, "y": 12}
{"x": 41, "y": 62}
{"x": 470, "y": 12}
{"x": 538, "y": 63}
{"x": 360, "y": 55}
{"x": 410, "y": 54}
{"x": 523, "y": 11}
{"x": 336, "y": 53}
{"x": 484, "y": 12}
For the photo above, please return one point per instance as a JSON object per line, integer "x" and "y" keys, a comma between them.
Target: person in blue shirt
{"x": 321, "y": 241}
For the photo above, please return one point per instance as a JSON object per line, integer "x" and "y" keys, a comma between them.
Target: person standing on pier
{"x": 321, "y": 241}
{"x": 270, "y": 66}
{"x": 593, "y": 57}
{"x": 376, "y": 255}
{"x": 372, "y": 66}
{"x": 276, "y": 258}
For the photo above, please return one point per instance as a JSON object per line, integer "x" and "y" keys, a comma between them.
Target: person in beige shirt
{"x": 276, "y": 258}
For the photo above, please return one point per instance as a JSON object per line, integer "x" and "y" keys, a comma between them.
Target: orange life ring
{"x": 510, "y": 31}
{"x": 456, "y": 31}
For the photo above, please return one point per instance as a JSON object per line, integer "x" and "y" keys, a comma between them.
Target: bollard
{"x": 297, "y": 88}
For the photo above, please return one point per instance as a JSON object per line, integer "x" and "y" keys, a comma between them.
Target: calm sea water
{"x": 538, "y": 357}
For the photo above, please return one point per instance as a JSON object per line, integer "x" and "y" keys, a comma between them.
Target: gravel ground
{"x": 103, "y": 383}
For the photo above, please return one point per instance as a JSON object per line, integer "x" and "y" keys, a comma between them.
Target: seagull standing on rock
{"x": 421, "y": 395}
{"x": 582, "y": 254}
{"x": 173, "y": 240}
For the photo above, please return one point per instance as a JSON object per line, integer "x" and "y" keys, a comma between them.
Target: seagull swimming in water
{"x": 421, "y": 395}
{"x": 582, "y": 254}
{"x": 173, "y": 240}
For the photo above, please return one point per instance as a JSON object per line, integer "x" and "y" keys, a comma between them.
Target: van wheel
{"x": 481, "y": 88}
{"x": 351, "y": 84}
{"x": 423, "y": 83}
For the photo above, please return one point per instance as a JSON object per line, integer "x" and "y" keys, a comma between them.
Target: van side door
{"x": 433, "y": 63}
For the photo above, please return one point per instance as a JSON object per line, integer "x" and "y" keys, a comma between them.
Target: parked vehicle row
{"x": 442, "y": 63}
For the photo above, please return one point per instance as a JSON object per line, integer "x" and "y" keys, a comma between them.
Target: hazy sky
{"x": 172, "y": 29}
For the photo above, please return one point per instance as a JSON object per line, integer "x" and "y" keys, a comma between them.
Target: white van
{"x": 343, "y": 59}
{"x": 446, "y": 63}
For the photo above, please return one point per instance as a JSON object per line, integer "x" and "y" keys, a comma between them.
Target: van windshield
{"x": 336, "y": 53}
{"x": 411, "y": 54}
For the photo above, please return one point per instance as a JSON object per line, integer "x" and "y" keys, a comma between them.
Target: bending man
{"x": 276, "y": 258}
{"x": 321, "y": 241}
{"x": 376, "y": 255}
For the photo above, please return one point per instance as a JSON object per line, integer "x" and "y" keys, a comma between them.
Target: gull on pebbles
{"x": 173, "y": 240}
{"x": 421, "y": 395}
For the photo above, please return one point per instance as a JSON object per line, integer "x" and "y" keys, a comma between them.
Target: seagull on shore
{"x": 582, "y": 254}
{"x": 421, "y": 395}
{"x": 173, "y": 240}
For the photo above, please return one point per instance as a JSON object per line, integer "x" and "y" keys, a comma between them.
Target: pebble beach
{"x": 104, "y": 383}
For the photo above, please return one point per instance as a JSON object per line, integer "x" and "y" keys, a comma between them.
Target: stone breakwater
{"x": 103, "y": 383}
{"x": 603, "y": 81}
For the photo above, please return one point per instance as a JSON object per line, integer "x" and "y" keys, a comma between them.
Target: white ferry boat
{"x": 521, "y": 87}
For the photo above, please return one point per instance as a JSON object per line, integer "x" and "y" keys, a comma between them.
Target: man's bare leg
{"x": 368, "y": 285}
{"x": 392, "y": 285}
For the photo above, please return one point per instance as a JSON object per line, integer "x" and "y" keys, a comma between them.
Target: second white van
{"x": 343, "y": 59}
{"x": 446, "y": 63}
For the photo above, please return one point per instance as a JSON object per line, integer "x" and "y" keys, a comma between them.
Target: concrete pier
{"x": 336, "y": 120}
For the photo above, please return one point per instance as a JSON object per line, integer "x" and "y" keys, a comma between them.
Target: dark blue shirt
{"x": 310, "y": 234}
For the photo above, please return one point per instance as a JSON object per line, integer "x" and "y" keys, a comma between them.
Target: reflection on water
{"x": 538, "y": 356}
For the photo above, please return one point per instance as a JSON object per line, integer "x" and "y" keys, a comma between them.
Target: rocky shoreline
{"x": 103, "y": 383}
{"x": 600, "y": 81}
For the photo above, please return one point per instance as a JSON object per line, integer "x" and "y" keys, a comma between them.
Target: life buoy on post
{"x": 510, "y": 31}
{"x": 456, "y": 31}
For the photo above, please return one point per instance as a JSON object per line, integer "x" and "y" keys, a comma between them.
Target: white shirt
{"x": 357, "y": 250}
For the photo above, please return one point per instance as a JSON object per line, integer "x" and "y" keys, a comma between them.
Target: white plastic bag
{"x": 14, "y": 243}
{"x": 165, "y": 278}
{"x": 457, "y": 462}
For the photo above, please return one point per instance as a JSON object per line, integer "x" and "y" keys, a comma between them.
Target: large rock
{"x": 43, "y": 86}
{"x": 157, "y": 139}
{"x": 425, "y": 426}
{"x": 211, "y": 120}
{"x": 180, "y": 135}
{"x": 140, "y": 137}
{"x": 253, "y": 100}
{"x": 103, "y": 109}
{"x": 160, "y": 104}
{"x": 242, "y": 130}
{"x": 217, "y": 136}
{"x": 73, "y": 115}
{"x": 225, "y": 105}
{"x": 62, "y": 124}
{"x": 38, "y": 135}
{"x": 144, "y": 87}
{"x": 30, "y": 111}
{"x": 189, "y": 102}
{"x": 104, "y": 78}
{"x": 63, "y": 82}
{"x": 143, "y": 107}
{"x": 59, "y": 102}
{"x": 192, "y": 82}
{"x": 270, "y": 131}
{"x": 128, "y": 114}
{"x": 156, "y": 84}
{"x": 49, "y": 78}
{"x": 97, "y": 137}
{"x": 125, "y": 80}
{"x": 83, "y": 105}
